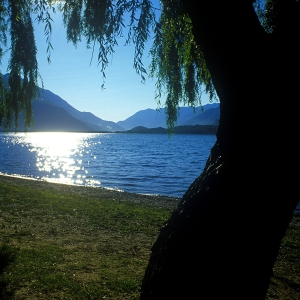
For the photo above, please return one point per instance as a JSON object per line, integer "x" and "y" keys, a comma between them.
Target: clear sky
{"x": 71, "y": 77}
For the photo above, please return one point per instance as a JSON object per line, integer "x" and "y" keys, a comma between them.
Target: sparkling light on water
{"x": 58, "y": 155}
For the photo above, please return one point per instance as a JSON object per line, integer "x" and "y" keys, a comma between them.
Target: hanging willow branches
{"x": 22, "y": 66}
{"x": 177, "y": 62}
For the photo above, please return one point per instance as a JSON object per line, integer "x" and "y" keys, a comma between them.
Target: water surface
{"x": 138, "y": 163}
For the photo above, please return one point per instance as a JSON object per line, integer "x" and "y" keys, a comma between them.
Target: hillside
{"x": 52, "y": 113}
{"x": 93, "y": 122}
{"x": 151, "y": 118}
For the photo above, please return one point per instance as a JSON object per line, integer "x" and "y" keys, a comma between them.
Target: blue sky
{"x": 71, "y": 77}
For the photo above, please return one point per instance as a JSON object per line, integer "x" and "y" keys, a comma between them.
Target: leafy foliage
{"x": 177, "y": 63}
{"x": 101, "y": 23}
{"x": 278, "y": 16}
{"x": 23, "y": 67}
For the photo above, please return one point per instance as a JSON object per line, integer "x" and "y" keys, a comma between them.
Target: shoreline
{"x": 94, "y": 192}
{"x": 166, "y": 202}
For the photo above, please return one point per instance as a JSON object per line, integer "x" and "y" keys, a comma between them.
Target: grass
{"x": 64, "y": 245}
{"x": 73, "y": 247}
{"x": 285, "y": 283}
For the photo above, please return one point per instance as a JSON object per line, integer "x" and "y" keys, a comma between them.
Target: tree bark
{"x": 223, "y": 239}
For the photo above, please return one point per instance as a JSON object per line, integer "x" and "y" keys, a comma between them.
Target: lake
{"x": 136, "y": 163}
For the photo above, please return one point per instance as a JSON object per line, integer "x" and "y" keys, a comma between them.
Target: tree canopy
{"x": 178, "y": 63}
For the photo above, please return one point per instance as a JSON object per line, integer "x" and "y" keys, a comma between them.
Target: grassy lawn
{"x": 72, "y": 246}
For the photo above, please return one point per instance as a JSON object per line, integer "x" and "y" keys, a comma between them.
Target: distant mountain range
{"x": 52, "y": 113}
{"x": 151, "y": 118}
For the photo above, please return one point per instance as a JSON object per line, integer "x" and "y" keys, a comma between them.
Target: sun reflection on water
{"x": 59, "y": 156}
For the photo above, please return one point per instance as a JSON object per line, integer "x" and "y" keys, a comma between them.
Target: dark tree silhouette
{"x": 223, "y": 239}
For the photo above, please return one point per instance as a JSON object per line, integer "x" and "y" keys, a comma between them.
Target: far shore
{"x": 184, "y": 129}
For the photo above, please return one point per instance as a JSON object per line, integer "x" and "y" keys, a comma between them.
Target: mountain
{"x": 151, "y": 118}
{"x": 48, "y": 117}
{"x": 93, "y": 122}
{"x": 52, "y": 113}
{"x": 210, "y": 116}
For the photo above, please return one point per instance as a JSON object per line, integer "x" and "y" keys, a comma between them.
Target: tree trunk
{"x": 223, "y": 239}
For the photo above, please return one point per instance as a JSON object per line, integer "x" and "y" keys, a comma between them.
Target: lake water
{"x": 137, "y": 163}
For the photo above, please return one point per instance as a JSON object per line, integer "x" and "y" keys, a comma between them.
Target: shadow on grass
{"x": 7, "y": 256}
